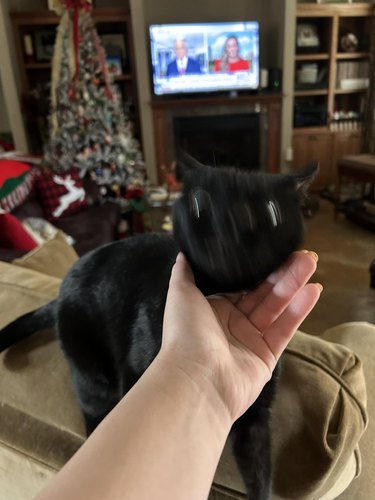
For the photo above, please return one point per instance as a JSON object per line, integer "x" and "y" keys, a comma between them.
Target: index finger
{"x": 265, "y": 306}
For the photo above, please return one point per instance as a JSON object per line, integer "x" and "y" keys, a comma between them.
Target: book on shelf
{"x": 352, "y": 75}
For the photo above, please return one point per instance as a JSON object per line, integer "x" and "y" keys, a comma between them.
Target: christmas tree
{"x": 88, "y": 127}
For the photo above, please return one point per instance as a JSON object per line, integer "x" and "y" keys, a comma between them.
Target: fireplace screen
{"x": 221, "y": 140}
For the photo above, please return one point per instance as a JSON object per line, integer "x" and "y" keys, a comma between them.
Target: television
{"x": 204, "y": 57}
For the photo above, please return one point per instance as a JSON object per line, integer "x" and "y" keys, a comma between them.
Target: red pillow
{"x": 61, "y": 194}
{"x": 14, "y": 235}
{"x": 16, "y": 182}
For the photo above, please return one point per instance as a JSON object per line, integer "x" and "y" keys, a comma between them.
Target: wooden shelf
{"x": 352, "y": 55}
{"x": 311, "y": 130}
{"x": 38, "y": 65}
{"x": 37, "y": 18}
{"x": 312, "y": 57}
{"x": 302, "y": 93}
{"x": 122, "y": 78}
{"x": 350, "y": 91}
{"x": 330, "y": 10}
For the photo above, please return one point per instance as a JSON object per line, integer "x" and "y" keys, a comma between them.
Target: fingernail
{"x": 320, "y": 286}
{"x": 312, "y": 254}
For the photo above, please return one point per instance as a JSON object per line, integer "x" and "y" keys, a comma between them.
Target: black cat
{"x": 235, "y": 228}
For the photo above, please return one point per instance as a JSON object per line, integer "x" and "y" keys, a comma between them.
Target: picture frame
{"x": 44, "y": 44}
{"x": 114, "y": 65}
{"x": 114, "y": 45}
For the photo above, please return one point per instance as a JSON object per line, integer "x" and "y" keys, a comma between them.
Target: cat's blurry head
{"x": 236, "y": 227}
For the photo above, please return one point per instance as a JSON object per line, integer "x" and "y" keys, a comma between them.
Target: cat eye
{"x": 200, "y": 203}
{"x": 274, "y": 212}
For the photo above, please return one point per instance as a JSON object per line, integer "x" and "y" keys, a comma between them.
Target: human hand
{"x": 234, "y": 341}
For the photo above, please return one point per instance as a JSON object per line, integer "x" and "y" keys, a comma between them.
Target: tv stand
{"x": 166, "y": 111}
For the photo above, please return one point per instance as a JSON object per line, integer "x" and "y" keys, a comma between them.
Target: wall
{"x": 4, "y": 122}
{"x": 9, "y": 79}
{"x": 271, "y": 15}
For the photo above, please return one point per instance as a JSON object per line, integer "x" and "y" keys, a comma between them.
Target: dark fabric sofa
{"x": 93, "y": 226}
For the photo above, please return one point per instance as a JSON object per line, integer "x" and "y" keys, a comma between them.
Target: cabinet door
{"x": 314, "y": 147}
{"x": 345, "y": 143}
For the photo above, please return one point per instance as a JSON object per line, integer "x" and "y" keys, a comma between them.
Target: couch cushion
{"x": 325, "y": 414}
{"x": 13, "y": 235}
{"x": 21, "y": 478}
{"x": 360, "y": 337}
{"x": 34, "y": 279}
{"x": 61, "y": 194}
{"x": 318, "y": 417}
{"x": 38, "y": 413}
{"x": 16, "y": 182}
{"x": 94, "y": 226}
{"x": 31, "y": 208}
{"x": 48, "y": 425}
{"x": 22, "y": 291}
{"x": 54, "y": 258}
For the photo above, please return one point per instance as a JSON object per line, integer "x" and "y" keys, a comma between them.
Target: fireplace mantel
{"x": 268, "y": 105}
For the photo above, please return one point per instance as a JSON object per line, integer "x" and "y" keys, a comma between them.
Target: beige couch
{"x": 318, "y": 419}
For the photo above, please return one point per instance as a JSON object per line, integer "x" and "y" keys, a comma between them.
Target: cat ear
{"x": 304, "y": 177}
{"x": 185, "y": 164}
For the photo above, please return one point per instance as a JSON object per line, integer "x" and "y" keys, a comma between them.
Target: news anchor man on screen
{"x": 182, "y": 65}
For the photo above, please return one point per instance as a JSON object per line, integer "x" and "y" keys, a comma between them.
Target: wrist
{"x": 195, "y": 384}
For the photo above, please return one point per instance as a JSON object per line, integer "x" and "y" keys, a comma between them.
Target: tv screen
{"x": 188, "y": 58}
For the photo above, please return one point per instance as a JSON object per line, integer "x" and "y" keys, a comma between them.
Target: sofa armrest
{"x": 92, "y": 191}
{"x": 94, "y": 226}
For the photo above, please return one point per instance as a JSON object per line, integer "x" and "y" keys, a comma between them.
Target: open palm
{"x": 237, "y": 339}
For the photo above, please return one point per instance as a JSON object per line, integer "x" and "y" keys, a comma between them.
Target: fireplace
{"x": 231, "y": 140}
{"x": 242, "y": 131}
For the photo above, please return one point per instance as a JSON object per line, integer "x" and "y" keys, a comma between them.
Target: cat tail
{"x": 26, "y": 325}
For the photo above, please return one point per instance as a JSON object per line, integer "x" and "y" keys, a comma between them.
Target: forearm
{"x": 163, "y": 440}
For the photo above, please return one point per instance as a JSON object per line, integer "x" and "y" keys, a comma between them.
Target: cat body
{"x": 235, "y": 229}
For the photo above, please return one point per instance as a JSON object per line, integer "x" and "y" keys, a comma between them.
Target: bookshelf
{"x": 331, "y": 82}
{"x": 35, "y": 65}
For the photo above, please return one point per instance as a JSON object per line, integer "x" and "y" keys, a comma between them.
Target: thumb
{"x": 181, "y": 272}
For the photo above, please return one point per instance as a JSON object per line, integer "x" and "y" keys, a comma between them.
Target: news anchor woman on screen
{"x": 182, "y": 64}
{"x": 230, "y": 60}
